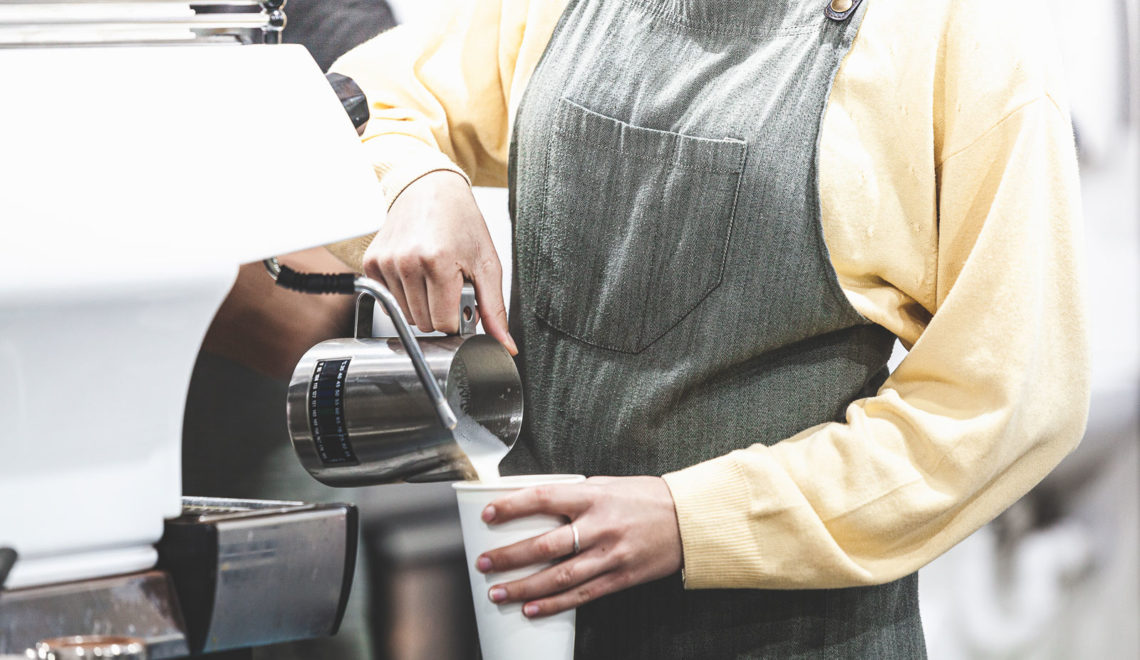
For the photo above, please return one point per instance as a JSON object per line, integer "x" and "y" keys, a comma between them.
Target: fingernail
{"x": 512, "y": 347}
{"x": 483, "y": 564}
{"x": 530, "y": 610}
{"x": 489, "y": 514}
{"x": 498, "y": 594}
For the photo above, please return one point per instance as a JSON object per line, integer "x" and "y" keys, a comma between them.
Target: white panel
{"x": 135, "y": 181}
{"x": 121, "y": 163}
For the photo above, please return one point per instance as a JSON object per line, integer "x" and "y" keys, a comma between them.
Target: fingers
{"x": 578, "y": 595}
{"x": 383, "y": 269}
{"x": 426, "y": 287}
{"x": 555, "y": 579}
{"x": 569, "y": 501}
{"x": 415, "y": 287}
{"x": 537, "y": 550}
{"x": 488, "y": 280}
{"x": 628, "y": 535}
{"x": 445, "y": 288}
{"x": 397, "y": 290}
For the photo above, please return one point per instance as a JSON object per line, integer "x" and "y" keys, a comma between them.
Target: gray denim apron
{"x": 674, "y": 298}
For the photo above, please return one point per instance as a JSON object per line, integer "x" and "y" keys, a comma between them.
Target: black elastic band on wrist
{"x": 319, "y": 283}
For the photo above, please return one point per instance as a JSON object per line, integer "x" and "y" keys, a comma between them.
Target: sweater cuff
{"x": 351, "y": 251}
{"x": 715, "y": 514}
{"x": 399, "y": 160}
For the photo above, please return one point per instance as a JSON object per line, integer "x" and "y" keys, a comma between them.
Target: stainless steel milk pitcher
{"x": 368, "y": 410}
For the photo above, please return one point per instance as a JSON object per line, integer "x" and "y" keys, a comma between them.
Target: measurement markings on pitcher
{"x": 326, "y": 412}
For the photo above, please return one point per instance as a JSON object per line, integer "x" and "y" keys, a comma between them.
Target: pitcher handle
{"x": 346, "y": 283}
{"x": 468, "y": 313}
{"x": 411, "y": 345}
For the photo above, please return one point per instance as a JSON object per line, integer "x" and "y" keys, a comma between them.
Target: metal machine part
{"x": 352, "y": 98}
{"x": 358, "y": 415}
{"x": 250, "y": 572}
{"x": 28, "y": 23}
{"x": 232, "y": 574}
{"x": 7, "y": 560}
{"x": 140, "y": 605}
{"x": 85, "y": 647}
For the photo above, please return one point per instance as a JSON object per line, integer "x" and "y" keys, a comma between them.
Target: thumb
{"x": 489, "y": 296}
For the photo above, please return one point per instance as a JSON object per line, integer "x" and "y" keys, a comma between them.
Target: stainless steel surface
{"x": 139, "y": 22}
{"x": 389, "y": 427}
{"x": 199, "y": 21}
{"x": 85, "y": 647}
{"x": 468, "y": 319}
{"x": 140, "y": 605}
{"x": 271, "y": 33}
{"x": 255, "y": 572}
{"x": 273, "y": 267}
{"x": 392, "y": 426}
{"x": 232, "y": 574}
{"x": 365, "y": 314}
{"x": 468, "y": 312}
{"x": 203, "y": 3}
{"x": 278, "y": 582}
{"x": 386, "y": 300}
{"x": 214, "y": 509}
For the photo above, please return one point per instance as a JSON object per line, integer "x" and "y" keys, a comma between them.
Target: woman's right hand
{"x": 433, "y": 239}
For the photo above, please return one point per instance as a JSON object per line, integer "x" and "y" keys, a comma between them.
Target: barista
{"x": 724, "y": 214}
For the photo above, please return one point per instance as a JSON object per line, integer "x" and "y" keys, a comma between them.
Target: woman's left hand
{"x": 627, "y": 535}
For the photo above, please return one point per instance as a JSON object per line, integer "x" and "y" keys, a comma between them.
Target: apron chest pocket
{"x": 634, "y": 229}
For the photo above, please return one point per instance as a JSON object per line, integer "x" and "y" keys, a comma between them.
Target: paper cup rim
{"x": 515, "y": 482}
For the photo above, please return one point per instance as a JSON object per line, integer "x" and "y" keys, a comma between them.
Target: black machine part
{"x": 7, "y": 561}
{"x": 352, "y": 98}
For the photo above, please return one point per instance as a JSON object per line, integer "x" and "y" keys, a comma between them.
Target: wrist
{"x": 400, "y": 160}
{"x": 445, "y": 177}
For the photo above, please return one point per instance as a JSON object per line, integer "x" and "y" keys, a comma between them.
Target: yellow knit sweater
{"x": 950, "y": 208}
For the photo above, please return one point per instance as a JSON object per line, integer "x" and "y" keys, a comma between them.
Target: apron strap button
{"x": 840, "y": 10}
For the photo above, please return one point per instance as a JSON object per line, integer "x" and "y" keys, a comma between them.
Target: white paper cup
{"x": 504, "y": 632}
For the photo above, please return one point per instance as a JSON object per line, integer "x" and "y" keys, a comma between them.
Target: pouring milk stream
{"x": 483, "y": 448}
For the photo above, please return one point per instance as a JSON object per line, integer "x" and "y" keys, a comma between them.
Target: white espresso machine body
{"x": 133, "y": 182}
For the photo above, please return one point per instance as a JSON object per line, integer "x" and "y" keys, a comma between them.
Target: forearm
{"x": 268, "y": 328}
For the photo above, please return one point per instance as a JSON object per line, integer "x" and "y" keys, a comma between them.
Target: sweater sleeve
{"x": 990, "y": 398}
{"x": 442, "y": 93}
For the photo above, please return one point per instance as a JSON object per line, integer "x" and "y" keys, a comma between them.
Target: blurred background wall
{"x": 1056, "y": 575}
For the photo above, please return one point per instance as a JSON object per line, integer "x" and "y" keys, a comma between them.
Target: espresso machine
{"x": 141, "y": 163}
